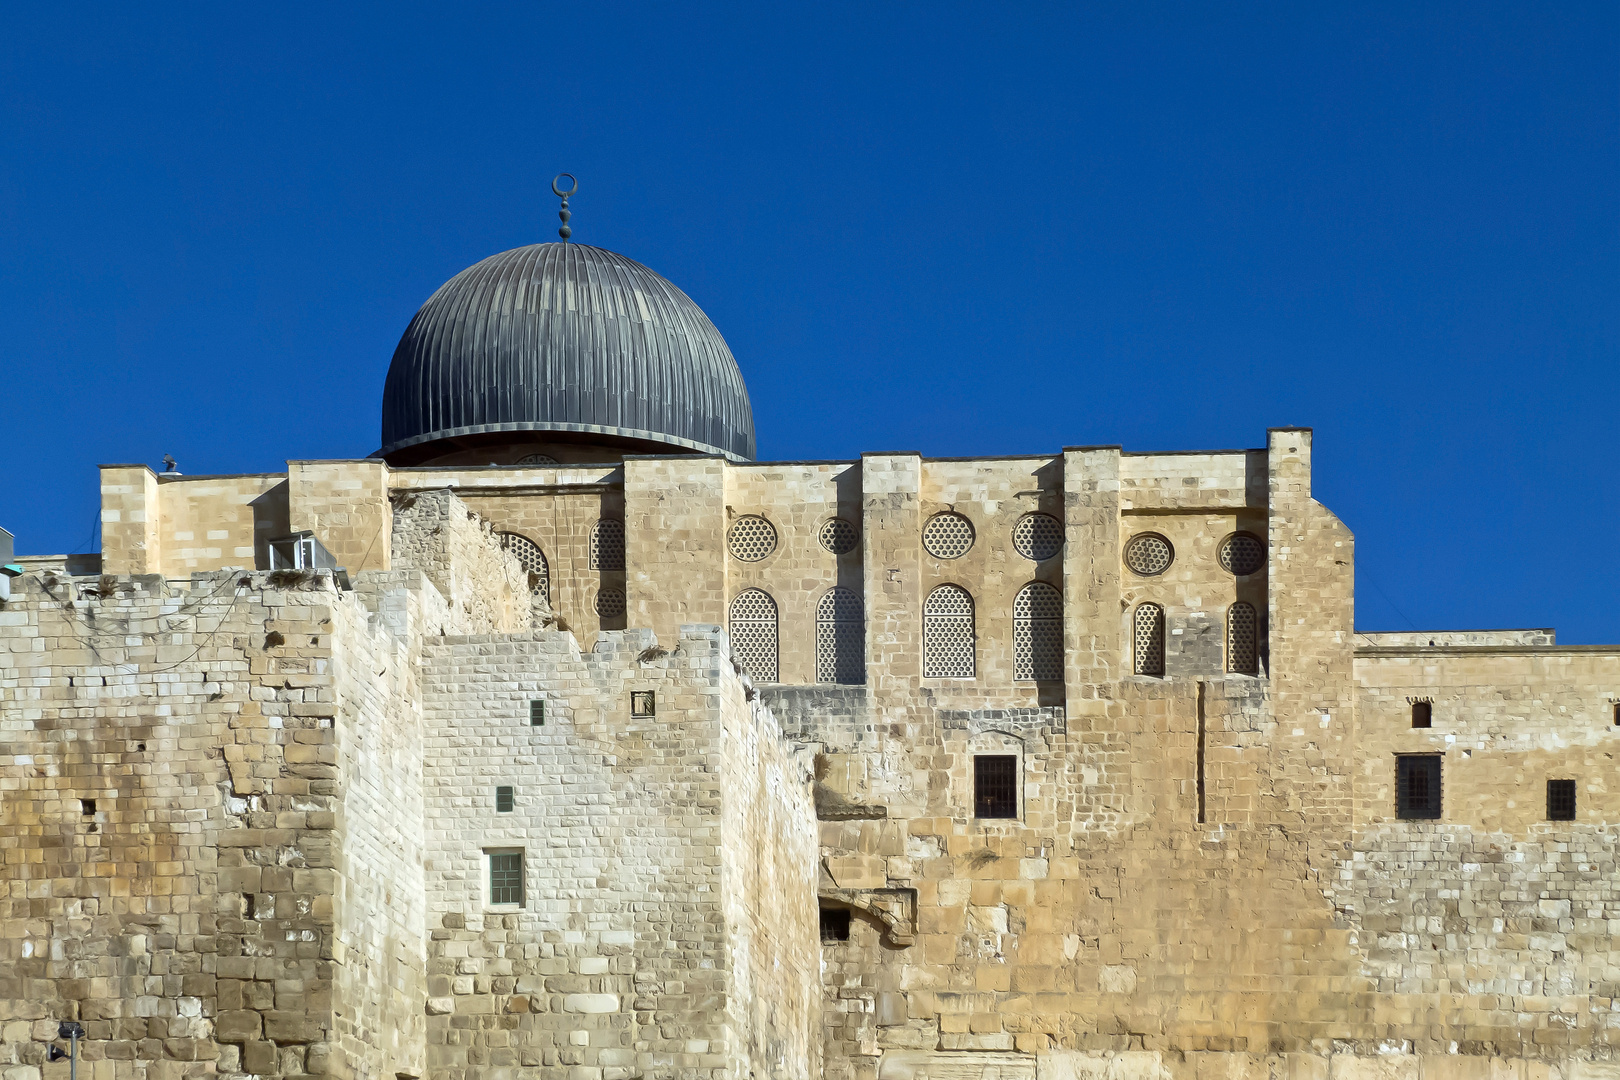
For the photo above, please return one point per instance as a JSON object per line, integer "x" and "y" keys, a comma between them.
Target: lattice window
{"x": 1038, "y": 633}
{"x": 752, "y": 538}
{"x": 840, "y": 638}
{"x": 1242, "y": 554}
{"x": 1038, "y": 537}
{"x": 610, "y": 603}
{"x": 753, "y": 633}
{"x": 948, "y": 536}
{"x": 1242, "y": 640}
{"x": 533, "y": 559}
{"x": 948, "y": 635}
{"x": 839, "y": 536}
{"x": 1149, "y": 635}
{"x": 1149, "y": 554}
{"x": 537, "y": 459}
{"x": 995, "y": 786}
{"x": 1417, "y": 786}
{"x": 607, "y": 544}
{"x": 506, "y": 877}
{"x": 1560, "y": 800}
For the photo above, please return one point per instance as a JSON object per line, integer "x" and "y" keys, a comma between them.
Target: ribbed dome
{"x": 565, "y": 338}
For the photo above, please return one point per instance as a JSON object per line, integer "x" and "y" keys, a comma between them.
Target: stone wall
{"x": 486, "y": 586}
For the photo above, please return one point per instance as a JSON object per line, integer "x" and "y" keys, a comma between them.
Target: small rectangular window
{"x": 537, "y": 713}
{"x": 1417, "y": 786}
{"x": 1560, "y": 800}
{"x": 503, "y": 800}
{"x": 506, "y": 877}
{"x": 1422, "y": 714}
{"x": 1617, "y": 714}
{"x": 642, "y": 703}
{"x": 834, "y": 924}
{"x": 87, "y": 806}
{"x": 995, "y": 786}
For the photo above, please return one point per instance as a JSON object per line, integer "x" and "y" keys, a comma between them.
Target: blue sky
{"x": 949, "y": 228}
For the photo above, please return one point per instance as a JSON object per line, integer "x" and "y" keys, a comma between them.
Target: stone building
{"x": 562, "y": 739}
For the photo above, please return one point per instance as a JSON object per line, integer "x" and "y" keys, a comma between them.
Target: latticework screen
{"x": 1243, "y": 640}
{"x": 607, "y": 545}
{"x": 1038, "y": 537}
{"x": 753, "y": 633}
{"x": 533, "y": 559}
{"x": 840, "y": 638}
{"x": 1038, "y": 633}
{"x": 948, "y": 637}
{"x": 1149, "y": 635}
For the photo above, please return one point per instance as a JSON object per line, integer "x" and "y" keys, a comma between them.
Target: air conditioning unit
{"x": 8, "y": 568}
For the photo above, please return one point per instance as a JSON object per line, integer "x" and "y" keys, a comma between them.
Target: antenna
{"x": 557, "y": 189}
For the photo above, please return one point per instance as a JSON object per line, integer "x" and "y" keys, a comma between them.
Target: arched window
{"x": 1038, "y": 633}
{"x": 753, "y": 633}
{"x": 840, "y": 638}
{"x": 1149, "y": 626}
{"x": 1242, "y": 640}
{"x": 948, "y": 638}
{"x": 607, "y": 544}
{"x": 534, "y": 561}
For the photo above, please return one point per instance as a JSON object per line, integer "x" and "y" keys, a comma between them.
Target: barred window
{"x": 753, "y": 633}
{"x": 1149, "y": 628}
{"x": 607, "y": 544}
{"x": 995, "y": 786}
{"x": 840, "y": 638}
{"x": 834, "y": 925}
{"x": 839, "y": 536}
{"x": 948, "y": 635}
{"x": 948, "y": 536}
{"x": 752, "y": 538}
{"x": 1038, "y": 537}
{"x": 533, "y": 559}
{"x": 1417, "y": 786}
{"x": 1242, "y": 640}
{"x": 506, "y": 877}
{"x": 1038, "y": 633}
{"x": 1560, "y": 800}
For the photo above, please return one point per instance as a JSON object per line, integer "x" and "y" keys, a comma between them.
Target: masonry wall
{"x": 635, "y": 947}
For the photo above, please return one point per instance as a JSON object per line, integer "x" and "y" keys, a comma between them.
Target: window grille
{"x": 948, "y": 536}
{"x": 1038, "y": 537}
{"x": 533, "y": 559}
{"x": 610, "y": 603}
{"x": 1560, "y": 800}
{"x": 1417, "y": 786}
{"x": 834, "y": 924}
{"x": 506, "y": 877}
{"x": 537, "y": 712}
{"x": 537, "y": 459}
{"x": 643, "y": 703}
{"x": 840, "y": 638}
{"x": 1242, "y": 554}
{"x": 1422, "y": 714}
{"x": 753, "y": 633}
{"x": 607, "y": 544}
{"x": 1038, "y": 633}
{"x": 1149, "y": 554}
{"x": 1242, "y": 640}
{"x": 504, "y": 799}
{"x": 995, "y": 786}
{"x": 752, "y": 538}
{"x": 1149, "y": 627}
{"x": 839, "y": 536}
{"x": 948, "y": 635}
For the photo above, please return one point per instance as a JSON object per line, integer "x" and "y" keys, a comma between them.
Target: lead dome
{"x": 564, "y": 349}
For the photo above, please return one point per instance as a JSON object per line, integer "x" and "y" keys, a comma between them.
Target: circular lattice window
{"x": 948, "y": 536}
{"x": 1149, "y": 554}
{"x": 610, "y": 603}
{"x": 751, "y": 538}
{"x": 1038, "y": 537}
{"x": 1242, "y": 553}
{"x": 839, "y": 536}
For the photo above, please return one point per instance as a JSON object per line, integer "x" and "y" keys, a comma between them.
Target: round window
{"x": 1242, "y": 553}
{"x": 751, "y": 538}
{"x": 838, "y": 536}
{"x": 610, "y": 603}
{"x": 1149, "y": 554}
{"x": 1038, "y": 537}
{"x": 948, "y": 536}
